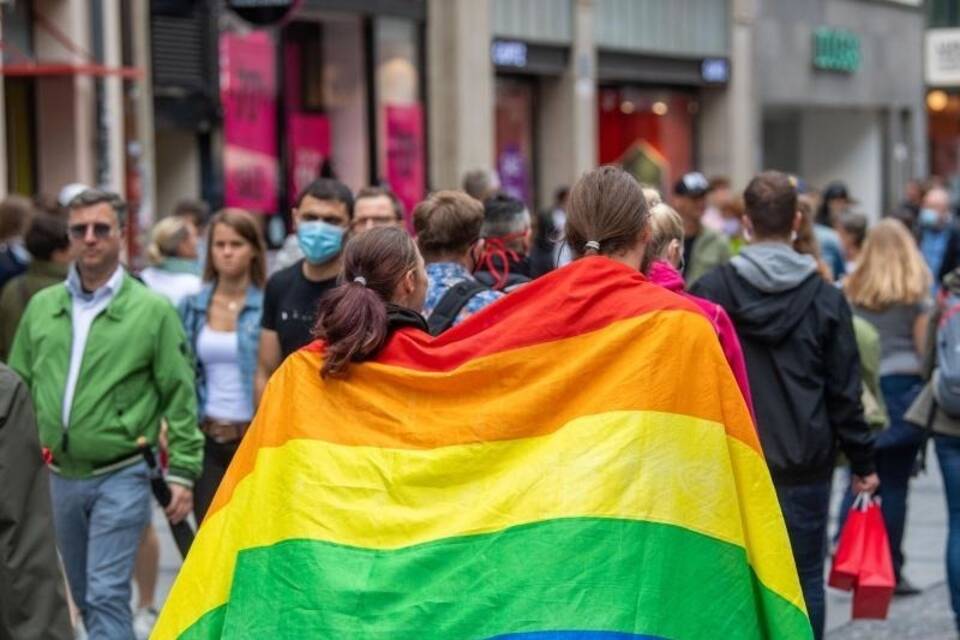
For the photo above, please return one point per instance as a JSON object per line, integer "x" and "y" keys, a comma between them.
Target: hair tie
{"x": 361, "y": 280}
{"x": 593, "y": 244}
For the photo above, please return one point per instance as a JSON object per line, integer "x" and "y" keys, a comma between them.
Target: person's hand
{"x": 868, "y": 484}
{"x": 181, "y": 503}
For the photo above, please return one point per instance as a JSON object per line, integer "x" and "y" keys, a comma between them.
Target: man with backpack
{"x": 937, "y": 409}
{"x": 802, "y": 362}
{"x": 505, "y": 263}
{"x": 448, "y": 226}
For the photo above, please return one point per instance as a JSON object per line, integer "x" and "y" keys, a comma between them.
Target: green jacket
{"x": 868, "y": 344}
{"x": 136, "y": 370}
{"x": 710, "y": 250}
{"x": 17, "y": 293}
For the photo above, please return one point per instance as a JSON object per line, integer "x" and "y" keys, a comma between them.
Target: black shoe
{"x": 905, "y": 588}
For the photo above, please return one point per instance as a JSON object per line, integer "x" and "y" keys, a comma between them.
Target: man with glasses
{"x": 321, "y": 218}
{"x": 376, "y": 207}
{"x": 105, "y": 360}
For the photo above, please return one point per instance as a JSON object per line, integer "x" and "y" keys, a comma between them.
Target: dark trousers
{"x": 216, "y": 459}
{"x": 806, "y": 508}
{"x": 896, "y": 453}
{"x": 948, "y": 454}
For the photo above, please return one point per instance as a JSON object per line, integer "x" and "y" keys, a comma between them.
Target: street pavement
{"x": 927, "y": 616}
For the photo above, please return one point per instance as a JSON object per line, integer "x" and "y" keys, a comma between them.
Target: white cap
{"x": 70, "y": 192}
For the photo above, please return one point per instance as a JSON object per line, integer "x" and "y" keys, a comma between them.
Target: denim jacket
{"x": 193, "y": 314}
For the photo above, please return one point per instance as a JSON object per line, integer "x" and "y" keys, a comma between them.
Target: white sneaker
{"x": 143, "y": 621}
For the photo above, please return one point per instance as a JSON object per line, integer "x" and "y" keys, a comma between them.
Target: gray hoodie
{"x": 773, "y": 267}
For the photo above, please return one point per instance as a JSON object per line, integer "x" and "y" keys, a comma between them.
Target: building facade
{"x": 840, "y": 94}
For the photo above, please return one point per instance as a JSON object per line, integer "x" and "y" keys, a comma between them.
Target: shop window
{"x": 515, "y": 104}
{"x": 324, "y": 97}
{"x": 399, "y": 110}
{"x": 649, "y": 132}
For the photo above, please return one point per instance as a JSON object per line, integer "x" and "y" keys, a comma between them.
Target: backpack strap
{"x": 449, "y": 306}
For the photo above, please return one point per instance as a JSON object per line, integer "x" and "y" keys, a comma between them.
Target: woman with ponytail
{"x": 384, "y": 284}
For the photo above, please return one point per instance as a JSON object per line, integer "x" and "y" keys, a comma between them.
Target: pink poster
{"x": 308, "y": 142}
{"x": 248, "y": 91}
{"x": 405, "y": 156}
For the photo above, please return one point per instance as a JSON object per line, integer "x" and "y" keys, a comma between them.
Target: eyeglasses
{"x": 374, "y": 221}
{"x": 101, "y": 230}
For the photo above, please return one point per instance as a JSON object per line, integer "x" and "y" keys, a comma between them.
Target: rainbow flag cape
{"x": 576, "y": 461}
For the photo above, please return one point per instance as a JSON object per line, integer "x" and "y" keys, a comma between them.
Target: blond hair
{"x": 666, "y": 225}
{"x": 652, "y": 194}
{"x": 891, "y": 270}
{"x": 165, "y": 239}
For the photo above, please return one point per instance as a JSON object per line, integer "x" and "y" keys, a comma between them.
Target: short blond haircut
{"x": 891, "y": 270}
{"x": 165, "y": 239}
{"x": 666, "y": 225}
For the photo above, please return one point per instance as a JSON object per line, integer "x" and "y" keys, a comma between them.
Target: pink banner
{"x": 308, "y": 142}
{"x": 405, "y": 156}
{"x": 248, "y": 91}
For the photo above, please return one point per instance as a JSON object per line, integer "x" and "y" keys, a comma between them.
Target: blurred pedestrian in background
{"x": 718, "y": 197}
{"x": 321, "y": 218}
{"x": 222, "y": 323}
{"x": 15, "y": 214}
{"x": 480, "y": 184}
{"x": 506, "y": 233}
{"x": 834, "y": 202}
{"x": 105, "y": 360}
{"x": 703, "y": 248}
{"x": 891, "y": 290}
{"x": 852, "y": 231}
{"x": 663, "y": 265}
{"x": 49, "y": 247}
{"x": 376, "y": 207}
{"x": 938, "y": 236}
{"x": 448, "y": 227}
{"x": 172, "y": 254}
{"x": 549, "y": 249}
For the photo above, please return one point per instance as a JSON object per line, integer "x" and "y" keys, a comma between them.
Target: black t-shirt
{"x": 290, "y": 306}
{"x": 688, "y": 252}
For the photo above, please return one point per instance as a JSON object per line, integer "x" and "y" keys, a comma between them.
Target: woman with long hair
{"x": 890, "y": 288}
{"x": 384, "y": 284}
{"x": 222, "y": 323}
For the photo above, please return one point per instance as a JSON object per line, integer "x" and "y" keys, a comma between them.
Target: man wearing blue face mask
{"x": 321, "y": 217}
{"x": 938, "y": 236}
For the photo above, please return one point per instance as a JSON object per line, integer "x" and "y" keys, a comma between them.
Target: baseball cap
{"x": 692, "y": 184}
{"x": 69, "y": 192}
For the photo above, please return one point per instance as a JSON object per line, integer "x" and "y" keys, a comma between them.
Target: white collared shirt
{"x": 85, "y": 308}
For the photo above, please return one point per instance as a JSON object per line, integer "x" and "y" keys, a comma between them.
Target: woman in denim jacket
{"x": 222, "y": 323}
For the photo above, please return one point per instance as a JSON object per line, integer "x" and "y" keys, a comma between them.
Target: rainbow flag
{"x": 576, "y": 461}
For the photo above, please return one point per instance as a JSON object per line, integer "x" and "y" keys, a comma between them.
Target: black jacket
{"x": 804, "y": 372}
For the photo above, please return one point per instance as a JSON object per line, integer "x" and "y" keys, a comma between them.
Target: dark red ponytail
{"x": 353, "y": 317}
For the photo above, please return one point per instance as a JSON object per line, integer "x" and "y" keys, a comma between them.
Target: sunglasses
{"x": 101, "y": 230}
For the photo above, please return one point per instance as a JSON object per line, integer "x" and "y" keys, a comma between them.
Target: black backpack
{"x": 449, "y": 306}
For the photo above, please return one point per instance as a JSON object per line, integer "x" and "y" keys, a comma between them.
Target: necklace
{"x": 232, "y": 304}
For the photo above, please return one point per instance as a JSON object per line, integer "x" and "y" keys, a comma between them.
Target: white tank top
{"x": 219, "y": 352}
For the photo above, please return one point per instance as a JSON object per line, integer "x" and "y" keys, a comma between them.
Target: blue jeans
{"x": 948, "y": 455}
{"x": 806, "y": 509}
{"x": 896, "y": 453}
{"x": 99, "y": 522}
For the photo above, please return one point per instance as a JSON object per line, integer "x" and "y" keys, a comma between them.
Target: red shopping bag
{"x": 874, "y": 589}
{"x": 849, "y": 553}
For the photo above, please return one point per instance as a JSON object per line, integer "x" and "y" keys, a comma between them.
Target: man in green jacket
{"x": 105, "y": 359}
{"x": 46, "y": 241}
{"x": 703, "y": 248}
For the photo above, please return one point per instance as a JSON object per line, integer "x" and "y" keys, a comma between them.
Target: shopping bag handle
{"x": 863, "y": 501}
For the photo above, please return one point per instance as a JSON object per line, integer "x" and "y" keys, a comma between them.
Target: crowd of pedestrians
{"x": 829, "y": 326}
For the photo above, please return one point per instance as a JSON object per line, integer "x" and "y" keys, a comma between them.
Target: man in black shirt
{"x": 322, "y": 215}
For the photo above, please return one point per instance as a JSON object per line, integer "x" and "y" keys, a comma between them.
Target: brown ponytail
{"x": 353, "y": 317}
{"x": 605, "y": 212}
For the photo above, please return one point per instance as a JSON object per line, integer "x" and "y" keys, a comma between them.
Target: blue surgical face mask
{"x": 319, "y": 241}
{"x": 929, "y": 218}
